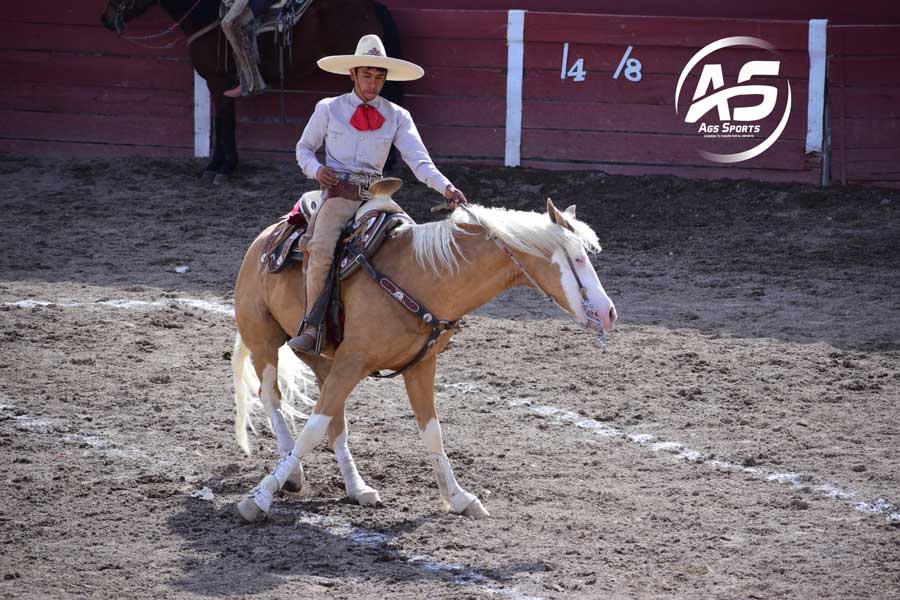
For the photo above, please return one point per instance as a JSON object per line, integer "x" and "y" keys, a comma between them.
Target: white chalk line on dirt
{"x": 124, "y": 303}
{"x": 461, "y": 575}
{"x": 25, "y": 422}
{"x": 877, "y": 506}
{"x": 560, "y": 416}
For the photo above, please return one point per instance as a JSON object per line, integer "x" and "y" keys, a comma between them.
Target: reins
{"x": 589, "y": 311}
{"x": 171, "y": 29}
{"x": 440, "y": 326}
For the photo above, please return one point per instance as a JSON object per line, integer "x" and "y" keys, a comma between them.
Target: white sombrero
{"x": 370, "y": 53}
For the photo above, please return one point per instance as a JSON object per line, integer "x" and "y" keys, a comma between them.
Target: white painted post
{"x": 201, "y": 117}
{"x": 515, "y": 41}
{"x": 815, "y": 114}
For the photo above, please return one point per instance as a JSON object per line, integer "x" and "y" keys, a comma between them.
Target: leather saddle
{"x": 373, "y": 222}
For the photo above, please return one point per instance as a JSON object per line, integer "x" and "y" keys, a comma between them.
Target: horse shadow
{"x": 222, "y": 556}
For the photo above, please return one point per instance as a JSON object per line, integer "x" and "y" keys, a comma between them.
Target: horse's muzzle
{"x": 599, "y": 323}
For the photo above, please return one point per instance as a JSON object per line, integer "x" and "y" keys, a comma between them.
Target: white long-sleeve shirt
{"x": 351, "y": 150}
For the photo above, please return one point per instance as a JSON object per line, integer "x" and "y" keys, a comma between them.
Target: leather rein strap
{"x": 438, "y": 326}
{"x": 521, "y": 267}
{"x": 589, "y": 310}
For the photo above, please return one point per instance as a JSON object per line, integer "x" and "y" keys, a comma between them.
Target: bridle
{"x": 594, "y": 322}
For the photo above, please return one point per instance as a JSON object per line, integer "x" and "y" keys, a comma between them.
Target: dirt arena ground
{"x": 739, "y": 439}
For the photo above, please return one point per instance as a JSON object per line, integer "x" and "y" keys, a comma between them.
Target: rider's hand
{"x": 327, "y": 177}
{"x": 455, "y": 196}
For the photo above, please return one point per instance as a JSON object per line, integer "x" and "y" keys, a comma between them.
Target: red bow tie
{"x": 366, "y": 118}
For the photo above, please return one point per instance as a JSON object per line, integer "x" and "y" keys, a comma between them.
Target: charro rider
{"x": 238, "y": 27}
{"x": 358, "y": 129}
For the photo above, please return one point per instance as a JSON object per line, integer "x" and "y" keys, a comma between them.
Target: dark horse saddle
{"x": 375, "y": 221}
{"x": 279, "y": 16}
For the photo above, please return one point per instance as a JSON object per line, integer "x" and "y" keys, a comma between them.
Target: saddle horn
{"x": 385, "y": 187}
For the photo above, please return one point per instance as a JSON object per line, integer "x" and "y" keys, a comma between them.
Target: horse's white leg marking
{"x": 259, "y": 500}
{"x": 458, "y": 500}
{"x": 271, "y": 400}
{"x": 356, "y": 487}
{"x": 282, "y": 433}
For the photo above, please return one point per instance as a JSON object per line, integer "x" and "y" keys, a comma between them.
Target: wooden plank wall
{"x": 72, "y": 87}
{"x": 864, "y": 75}
{"x": 459, "y": 106}
{"x": 628, "y": 127}
{"x": 837, "y": 11}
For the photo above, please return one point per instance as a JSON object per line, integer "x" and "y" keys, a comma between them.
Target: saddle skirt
{"x": 373, "y": 222}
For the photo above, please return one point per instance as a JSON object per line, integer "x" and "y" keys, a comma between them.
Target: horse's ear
{"x": 554, "y": 214}
{"x": 570, "y": 211}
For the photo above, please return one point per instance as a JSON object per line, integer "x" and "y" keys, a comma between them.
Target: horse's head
{"x": 568, "y": 275}
{"x": 119, "y": 12}
{"x": 553, "y": 257}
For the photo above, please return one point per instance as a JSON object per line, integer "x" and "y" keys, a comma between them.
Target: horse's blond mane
{"x": 436, "y": 247}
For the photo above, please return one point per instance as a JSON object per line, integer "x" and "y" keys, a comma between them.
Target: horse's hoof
{"x": 248, "y": 510}
{"x": 220, "y": 179}
{"x": 295, "y": 481}
{"x": 367, "y": 497}
{"x": 208, "y": 176}
{"x": 476, "y": 510}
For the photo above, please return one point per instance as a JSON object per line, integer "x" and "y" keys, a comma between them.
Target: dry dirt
{"x": 739, "y": 439}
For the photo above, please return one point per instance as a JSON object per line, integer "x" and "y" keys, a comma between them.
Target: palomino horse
{"x": 327, "y": 27}
{"x": 452, "y": 267}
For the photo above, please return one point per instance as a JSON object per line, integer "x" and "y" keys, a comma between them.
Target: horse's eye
{"x": 579, "y": 260}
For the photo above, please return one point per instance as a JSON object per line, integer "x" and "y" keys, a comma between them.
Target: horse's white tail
{"x": 294, "y": 380}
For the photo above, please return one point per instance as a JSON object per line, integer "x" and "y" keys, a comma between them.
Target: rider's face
{"x": 368, "y": 81}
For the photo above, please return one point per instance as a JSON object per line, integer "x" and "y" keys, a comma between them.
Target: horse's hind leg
{"x": 262, "y": 352}
{"x": 326, "y": 418}
{"x": 420, "y": 388}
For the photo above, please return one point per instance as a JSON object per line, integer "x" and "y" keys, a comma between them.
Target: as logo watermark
{"x": 711, "y": 107}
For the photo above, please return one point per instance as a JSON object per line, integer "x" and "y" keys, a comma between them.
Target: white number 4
{"x": 576, "y": 71}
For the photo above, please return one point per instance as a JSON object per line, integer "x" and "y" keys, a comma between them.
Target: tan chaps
{"x": 238, "y": 28}
{"x": 327, "y": 224}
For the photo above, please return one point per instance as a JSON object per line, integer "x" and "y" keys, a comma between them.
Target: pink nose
{"x": 612, "y": 317}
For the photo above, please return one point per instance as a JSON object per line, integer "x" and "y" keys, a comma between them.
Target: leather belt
{"x": 349, "y": 191}
{"x": 361, "y": 179}
{"x": 352, "y": 186}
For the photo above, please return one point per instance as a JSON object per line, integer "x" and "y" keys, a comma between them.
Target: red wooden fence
{"x": 459, "y": 106}
{"x": 72, "y": 87}
{"x": 623, "y": 126}
{"x": 837, "y": 11}
{"x": 865, "y": 103}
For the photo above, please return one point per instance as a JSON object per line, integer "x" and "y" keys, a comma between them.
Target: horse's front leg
{"x": 420, "y": 388}
{"x": 224, "y": 159}
{"x": 228, "y": 133}
{"x": 356, "y": 487}
{"x": 327, "y": 418}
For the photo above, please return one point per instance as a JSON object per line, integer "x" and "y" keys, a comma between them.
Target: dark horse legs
{"x": 225, "y": 157}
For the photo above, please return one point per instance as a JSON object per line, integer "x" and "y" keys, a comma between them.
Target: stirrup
{"x": 307, "y": 341}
